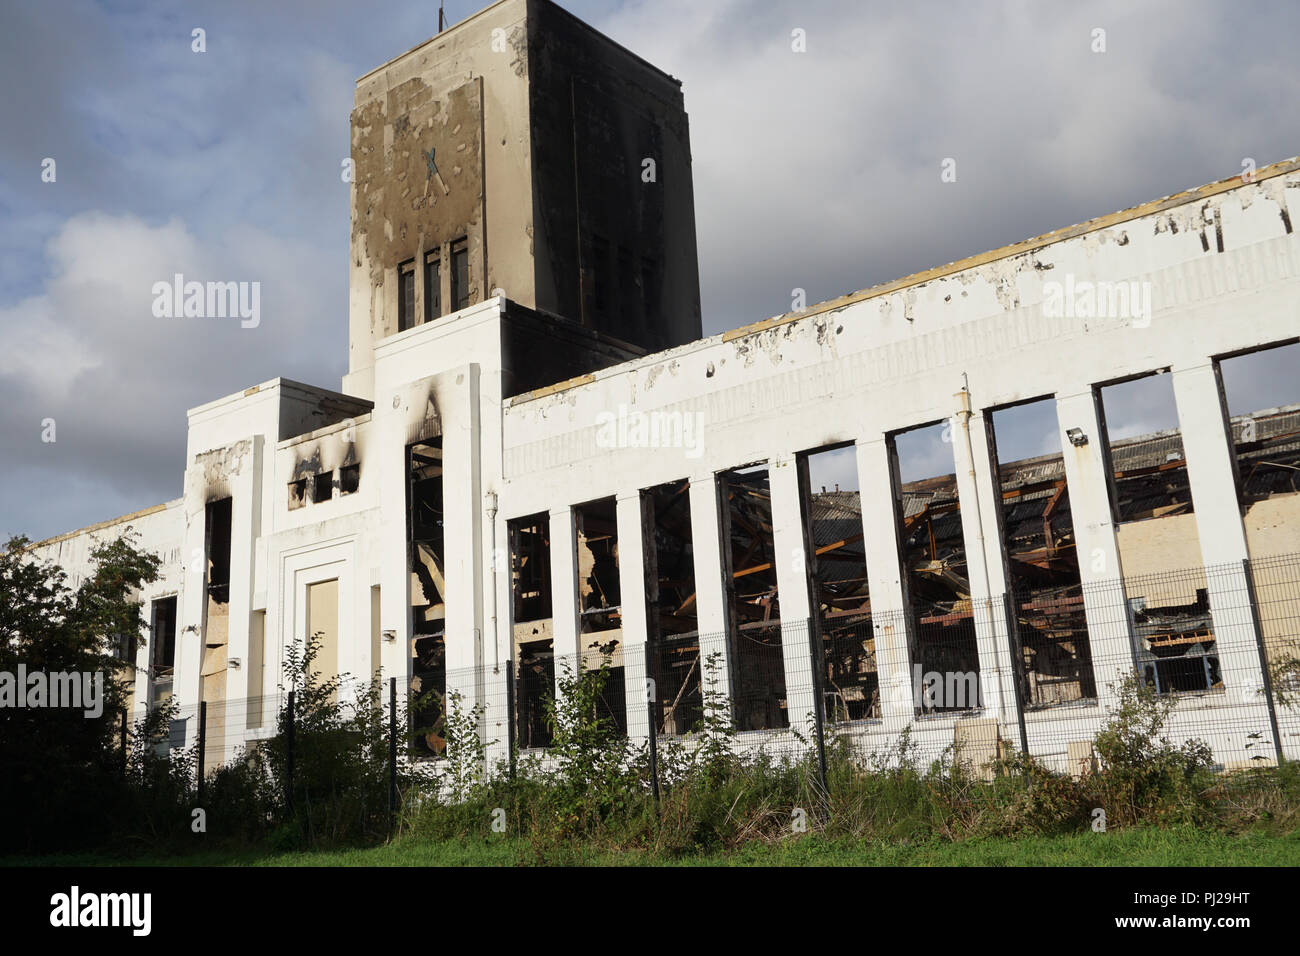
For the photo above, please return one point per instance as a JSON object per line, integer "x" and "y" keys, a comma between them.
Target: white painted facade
{"x": 913, "y": 352}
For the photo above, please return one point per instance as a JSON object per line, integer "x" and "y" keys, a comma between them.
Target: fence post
{"x": 652, "y": 739}
{"x": 510, "y": 716}
{"x": 124, "y": 719}
{"x": 1252, "y": 599}
{"x": 203, "y": 740}
{"x": 817, "y": 653}
{"x": 288, "y": 759}
{"x": 1011, "y": 614}
{"x": 392, "y": 745}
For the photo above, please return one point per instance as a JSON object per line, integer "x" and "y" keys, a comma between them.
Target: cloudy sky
{"x": 817, "y": 170}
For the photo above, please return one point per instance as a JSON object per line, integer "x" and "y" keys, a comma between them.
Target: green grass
{"x": 1123, "y": 848}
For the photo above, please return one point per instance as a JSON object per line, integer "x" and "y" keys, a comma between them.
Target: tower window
{"x": 406, "y": 296}
{"x": 459, "y": 274}
{"x": 432, "y": 286}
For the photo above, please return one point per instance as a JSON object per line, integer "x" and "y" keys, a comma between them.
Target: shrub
{"x": 1143, "y": 776}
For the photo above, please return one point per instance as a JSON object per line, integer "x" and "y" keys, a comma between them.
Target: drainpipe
{"x": 491, "y": 500}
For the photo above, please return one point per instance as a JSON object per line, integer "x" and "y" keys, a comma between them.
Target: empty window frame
{"x": 349, "y": 479}
{"x": 944, "y": 653}
{"x": 600, "y": 613}
{"x": 322, "y": 488}
{"x": 297, "y": 493}
{"x": 425, "y": 539}
{"x": 674, "y": 656}
{"x": 433, "y": 285}
{"x": 530, "y": 587}
{"x": 162, "y": 654}
{"x": 1037, "y": 534}
{"x": 534, "y": 686}
{"x": 460, "y": 278}
{"x": 837, "y": 567}
{"x": 406, "y": 295}
{"x": 754, "y": 610}
{"x": 530, "y": 564}
{"x": 1261, "y": 391}
{"x": 1173, "y": 631}
{"x": 123, "y": 647}
{"x": 1164, "y": 581}
{"x": 216, "y": 616}
{"x": 1144, "y": 449}
{"x": 599, "y": 604}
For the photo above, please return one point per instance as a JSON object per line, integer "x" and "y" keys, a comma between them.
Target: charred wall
{"x": 613, "y": 251}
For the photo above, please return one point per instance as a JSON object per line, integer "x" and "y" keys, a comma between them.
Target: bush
{"x": 1143, "y": 776}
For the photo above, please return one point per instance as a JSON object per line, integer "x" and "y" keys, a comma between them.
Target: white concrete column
{"x": 980, "y": 501}
{"x": 462, "y": 506}
{"x": 564, "y": 591}
{"x": 890, "y": 617}
{"x": 387, "y": 464}
{"x": 187, "y": 683}
{"x": 1104, "y": 601}
{"x": 792, "y": 587}
{"x": 1203, "y": 424}
{"x": 632, "y": 592}
{"x": 710, "y": 593}
{"x": 499, "y": 641}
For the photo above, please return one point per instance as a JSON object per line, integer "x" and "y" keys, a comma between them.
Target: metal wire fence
{"x": 1035, "y": 672}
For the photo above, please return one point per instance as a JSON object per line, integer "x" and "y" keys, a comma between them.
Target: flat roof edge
{"x": 1021, "y": 247}
{"x": 583, "y": 24}
{"x": 423, "y": 43}
{"x": 101, "y": 525}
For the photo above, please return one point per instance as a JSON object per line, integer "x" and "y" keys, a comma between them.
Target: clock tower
{"x": 521, "y": 153}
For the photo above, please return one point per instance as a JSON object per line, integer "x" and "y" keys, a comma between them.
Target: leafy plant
{"x": 1143, "y": 774}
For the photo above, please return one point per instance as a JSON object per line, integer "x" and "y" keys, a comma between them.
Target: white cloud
{"x": 89, "y": 353}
